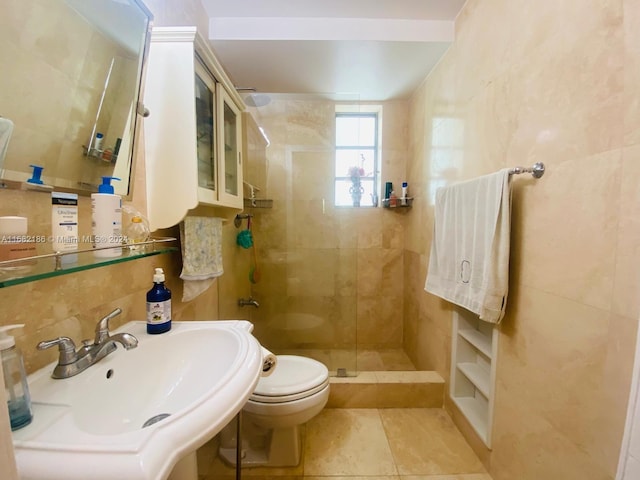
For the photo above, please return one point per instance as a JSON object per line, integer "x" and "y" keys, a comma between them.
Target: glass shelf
{"x": 29, "y": 269}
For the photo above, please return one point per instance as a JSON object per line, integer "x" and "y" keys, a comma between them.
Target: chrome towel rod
{"x": 537, "y": 170}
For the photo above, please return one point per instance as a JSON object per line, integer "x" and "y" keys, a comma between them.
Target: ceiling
{"x": 356, "y": 49}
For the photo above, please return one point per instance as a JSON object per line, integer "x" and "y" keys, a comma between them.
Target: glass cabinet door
{"x": 230, "y": 137}
{"x": 205, "y": 88}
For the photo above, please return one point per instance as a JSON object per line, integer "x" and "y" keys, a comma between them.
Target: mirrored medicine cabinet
{"x": 73, "y": 69}
{"x": 73, "y": 72}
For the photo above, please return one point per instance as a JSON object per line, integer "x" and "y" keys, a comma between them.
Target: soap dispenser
{"x": 106, "y": 219}
{"x": 16, "y": 388}
{"x": 158, "y": 305}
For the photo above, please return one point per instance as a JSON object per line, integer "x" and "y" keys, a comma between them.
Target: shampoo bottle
{"x": 97, "y": 144}
{"x": 106, "y": 219}
{"x": 16, "y": 388}
{"x": 158, "y": 305}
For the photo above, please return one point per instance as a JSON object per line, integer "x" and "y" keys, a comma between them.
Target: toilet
{"x": 296, "y": 391}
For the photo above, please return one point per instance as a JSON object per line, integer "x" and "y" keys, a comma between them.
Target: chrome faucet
{"x": 244, "y": 302}
{"x": 72, "y": 362}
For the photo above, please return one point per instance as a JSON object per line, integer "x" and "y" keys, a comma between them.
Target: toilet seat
{"x": 294, "y": 378}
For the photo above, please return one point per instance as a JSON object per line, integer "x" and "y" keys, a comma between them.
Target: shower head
{"x": 254, "y": 99}
{"x": 257, "y": 100}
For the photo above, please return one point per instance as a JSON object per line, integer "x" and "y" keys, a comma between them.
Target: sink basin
{"x": 136, "y": 413}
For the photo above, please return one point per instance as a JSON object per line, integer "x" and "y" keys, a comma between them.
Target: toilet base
{"x": 278, "y": 447}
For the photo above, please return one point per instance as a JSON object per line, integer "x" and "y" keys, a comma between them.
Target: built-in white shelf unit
{"x": 473, "y": 370}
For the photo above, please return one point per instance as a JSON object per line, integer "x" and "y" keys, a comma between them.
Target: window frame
{"x": 375, "y": 179}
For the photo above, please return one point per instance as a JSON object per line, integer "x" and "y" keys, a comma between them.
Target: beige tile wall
{"x": 555, "y": 82}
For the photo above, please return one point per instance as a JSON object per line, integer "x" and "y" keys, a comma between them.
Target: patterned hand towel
{"x": 201, "y": 240}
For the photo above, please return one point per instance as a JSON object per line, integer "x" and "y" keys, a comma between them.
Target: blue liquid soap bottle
{"x": 15, "y": 380}
{"x": 158, "y": 305}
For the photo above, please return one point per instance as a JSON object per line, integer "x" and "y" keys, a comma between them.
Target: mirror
{"x": 72, "y": 73}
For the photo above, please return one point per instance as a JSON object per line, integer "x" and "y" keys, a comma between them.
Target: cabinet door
{"x": 205, "y": 98}
{"x": 229, "y": 151}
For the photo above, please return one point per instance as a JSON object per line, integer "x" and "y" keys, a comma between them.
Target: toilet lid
{"x": 292, "y": 375}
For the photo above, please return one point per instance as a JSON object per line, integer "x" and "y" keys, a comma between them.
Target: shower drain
{"x": 155, "y": 419}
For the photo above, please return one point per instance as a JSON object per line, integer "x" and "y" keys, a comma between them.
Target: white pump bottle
{"x": 106, "y": 219}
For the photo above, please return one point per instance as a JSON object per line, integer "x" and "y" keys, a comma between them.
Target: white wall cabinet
{"x": 193, "y": 136}
{"x": 473, "y": 370}
{"x": 229, "y": 151}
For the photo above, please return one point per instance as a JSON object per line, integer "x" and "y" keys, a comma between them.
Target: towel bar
{"x": 537, "y": 170}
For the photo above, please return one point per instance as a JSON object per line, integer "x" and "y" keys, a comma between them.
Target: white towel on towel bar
{"x": 469, "y": 260}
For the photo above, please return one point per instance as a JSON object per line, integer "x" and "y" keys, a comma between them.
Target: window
{"x": 356, "y": 159}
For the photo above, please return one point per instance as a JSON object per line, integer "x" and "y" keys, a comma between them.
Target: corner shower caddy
{"x": 408, "y": 202}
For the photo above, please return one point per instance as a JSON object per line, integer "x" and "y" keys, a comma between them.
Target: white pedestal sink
{"x": 184, "y": 385}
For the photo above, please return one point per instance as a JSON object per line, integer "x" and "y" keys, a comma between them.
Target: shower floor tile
{"x": 366, "y": 360}
{"x": 387, "y": 360}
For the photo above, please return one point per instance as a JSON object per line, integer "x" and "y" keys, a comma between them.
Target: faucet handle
{"x": 102, "y": 327}
{"x": 66, "y": 347}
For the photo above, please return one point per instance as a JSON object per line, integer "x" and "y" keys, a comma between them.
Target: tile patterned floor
{"x": 379, "y": 444}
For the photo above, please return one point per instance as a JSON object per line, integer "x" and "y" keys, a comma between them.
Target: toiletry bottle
{"x": 106, "y": 219}
{"x": 393, "y": 200}
{"x": 15, "y": 243}
{"x": 405, "y": 187}
{"x": 116, "y": 148}
{"x": 97, "y": 144}
{"x": 16, "y": 388}
{"x": 158, "y": 305}
{"x": 64, "y": 224}
{"x": 388, "y": 187}
{"x": 107, "y": 155}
